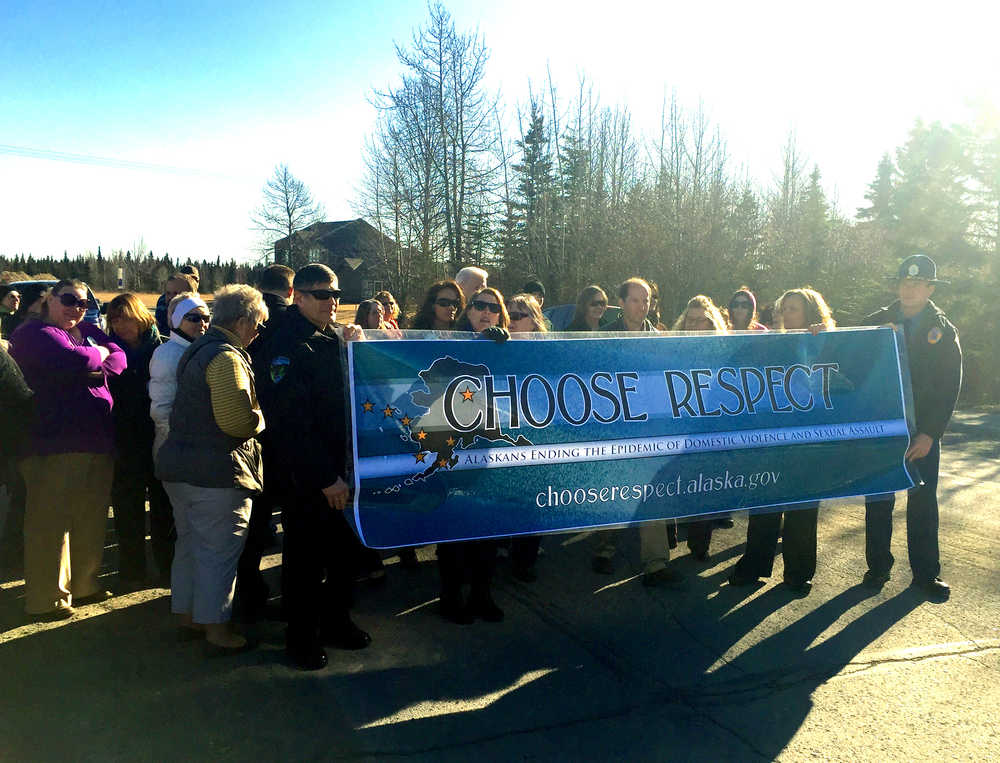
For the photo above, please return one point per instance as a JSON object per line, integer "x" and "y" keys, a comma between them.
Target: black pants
{"x": 12, "y": 540}
{"x": 699, "y": 536}
{"x": 798, "y": 543}
{"x": 317, "y": 555}
{"x": 921, "y": 524}
{"x": 524, "y": 550}
{"x": 251, "y": 590}
{"x": 467, "y": 561}
{"x": 132, "y": 482}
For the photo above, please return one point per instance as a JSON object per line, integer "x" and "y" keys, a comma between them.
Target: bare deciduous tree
{"x": 288, "y": 207}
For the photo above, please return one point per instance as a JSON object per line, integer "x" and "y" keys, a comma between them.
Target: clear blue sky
{"x": 221, "y": 92}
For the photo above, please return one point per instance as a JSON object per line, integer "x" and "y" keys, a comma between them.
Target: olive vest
{"x": 197, "y": 451}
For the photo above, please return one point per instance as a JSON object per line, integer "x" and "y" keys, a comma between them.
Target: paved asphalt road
{"x": 584, "y": 666}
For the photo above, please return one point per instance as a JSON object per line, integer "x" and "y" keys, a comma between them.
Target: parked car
{"x": 560, "y": 316}
{"x": 94, "y": 312}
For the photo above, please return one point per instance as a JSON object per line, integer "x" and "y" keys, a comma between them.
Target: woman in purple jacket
{"x": 68, "y": 463}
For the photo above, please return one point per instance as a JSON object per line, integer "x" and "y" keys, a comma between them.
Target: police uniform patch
{"x": 934, "y": 335}
{"x": 913, "y": 269}
{"x": 279, "y": 366}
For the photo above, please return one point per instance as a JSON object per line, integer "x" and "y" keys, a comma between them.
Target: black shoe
{"x": 453, "y": 608}
{"x": 701, "y": 554}
{"x": 875, "y": 580}
{"x": 408, "y": 558}
{"x": 935, "y": 590}
{"x": 94, "y": 598}
{"x": 306, "y": 657}
{"x": 603, "y": 565}
{"x": 482, "y": 605}
{"x": 726, "y": 523}
{"x": 524, "y": 572}
{"x": 801, "y": 587}
{"x": 738, "y": 578}
{"x": 345, "y": 636}
{"x": 666, "y": 577}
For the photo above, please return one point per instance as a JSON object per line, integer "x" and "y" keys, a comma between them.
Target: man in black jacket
{"x": 935, "y": 361}
{"x": 252, "y": 593}
{"x": 16, "y": 409}
{"x": 300, "y": 380}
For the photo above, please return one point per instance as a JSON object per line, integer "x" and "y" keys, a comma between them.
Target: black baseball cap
{"x": 919, "y": 266}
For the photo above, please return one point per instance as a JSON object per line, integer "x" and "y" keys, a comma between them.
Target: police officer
{"x": 935, "y": 360}
{"x": 303, "y": 383}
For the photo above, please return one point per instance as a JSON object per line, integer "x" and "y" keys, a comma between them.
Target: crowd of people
{"x": 219, "y": 417}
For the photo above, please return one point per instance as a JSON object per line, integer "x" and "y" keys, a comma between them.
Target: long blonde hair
{"x": 711, "y": 312}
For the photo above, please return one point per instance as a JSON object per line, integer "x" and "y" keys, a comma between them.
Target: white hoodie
{"x": 163, "y": 385}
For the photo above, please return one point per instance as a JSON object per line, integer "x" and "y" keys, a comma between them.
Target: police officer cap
{"x": 919, "y": 266}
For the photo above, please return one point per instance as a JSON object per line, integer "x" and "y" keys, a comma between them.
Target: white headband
{"x": 183, "y": 307}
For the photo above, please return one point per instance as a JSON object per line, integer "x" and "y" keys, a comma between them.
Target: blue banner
{"x": 461, "y": 438}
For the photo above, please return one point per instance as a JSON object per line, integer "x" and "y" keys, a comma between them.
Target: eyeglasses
{"x": 197, "y": 318}
{"x": 71, "y": 300}
{"x": 598, "y": 303}
{"x": 481, "y": 306}
{"x": 518, "y": 316}
{"x": 322, "y": 295}
{"x": 445, "y": 302}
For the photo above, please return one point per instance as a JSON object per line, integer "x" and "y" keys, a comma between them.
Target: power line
{"x": 103, "y": 161}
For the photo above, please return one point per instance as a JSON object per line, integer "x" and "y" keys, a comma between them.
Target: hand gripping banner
{"x": 462, "y": 438}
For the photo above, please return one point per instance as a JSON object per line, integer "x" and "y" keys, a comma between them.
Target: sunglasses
{"x": 519, "y": 316}
{"x": 322, "y": 295}
{"x": 598, "y": 303}
{"x": 445, "y": 302}
{"x": 197, "y": 318}
{"x": 71, "y": 300}
{"x": 481, "y": 306}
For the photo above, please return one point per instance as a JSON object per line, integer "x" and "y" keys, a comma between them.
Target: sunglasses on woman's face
{"x": 71, "y": 300}
{"x": 445, "y": 302}
{"x": 196, "y": 318}
{"x": 481, "y": 306}
{"x": 519, "y": 316}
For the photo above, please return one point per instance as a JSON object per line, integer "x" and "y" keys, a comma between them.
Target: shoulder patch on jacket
{"x": 279, "y": 367}
{"x": 934, "y": 335}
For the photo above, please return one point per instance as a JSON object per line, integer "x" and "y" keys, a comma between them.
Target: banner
{"x": 462, "y": 438}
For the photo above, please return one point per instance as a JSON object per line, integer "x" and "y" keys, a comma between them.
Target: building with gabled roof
{"x": 353, "y": 249}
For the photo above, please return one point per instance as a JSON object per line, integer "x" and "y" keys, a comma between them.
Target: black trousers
{"x": 132, "y": 482}
{"x": 699, "y": 536}
{"x": 524, "y": 550}
{"x": 317, "y": 555}
{"x": 921, "y": 524}
{"x": 798, "y": 543}
{"x": 467, "y": 561}
{"x": 251, "y": 590}
{"x": 12, "y": 540}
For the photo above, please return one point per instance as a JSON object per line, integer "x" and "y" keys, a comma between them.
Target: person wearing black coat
{"x": 252, "y": 591}
{"x": 16, "y": 409}
{"x": 935, "y": 361}
{"x": 301, "y": 390}
{"x": 133, "y": 328}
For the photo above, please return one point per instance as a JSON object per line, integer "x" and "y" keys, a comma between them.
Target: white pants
{"x": 211, "y": 532}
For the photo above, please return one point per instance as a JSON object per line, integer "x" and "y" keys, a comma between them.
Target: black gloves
{"x": 496, "y": 333}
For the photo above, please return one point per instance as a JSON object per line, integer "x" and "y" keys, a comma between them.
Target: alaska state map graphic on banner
{"x": 461, "y": 438}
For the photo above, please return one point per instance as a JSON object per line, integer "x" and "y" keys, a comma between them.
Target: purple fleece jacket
{"x": 72, "y": 399}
